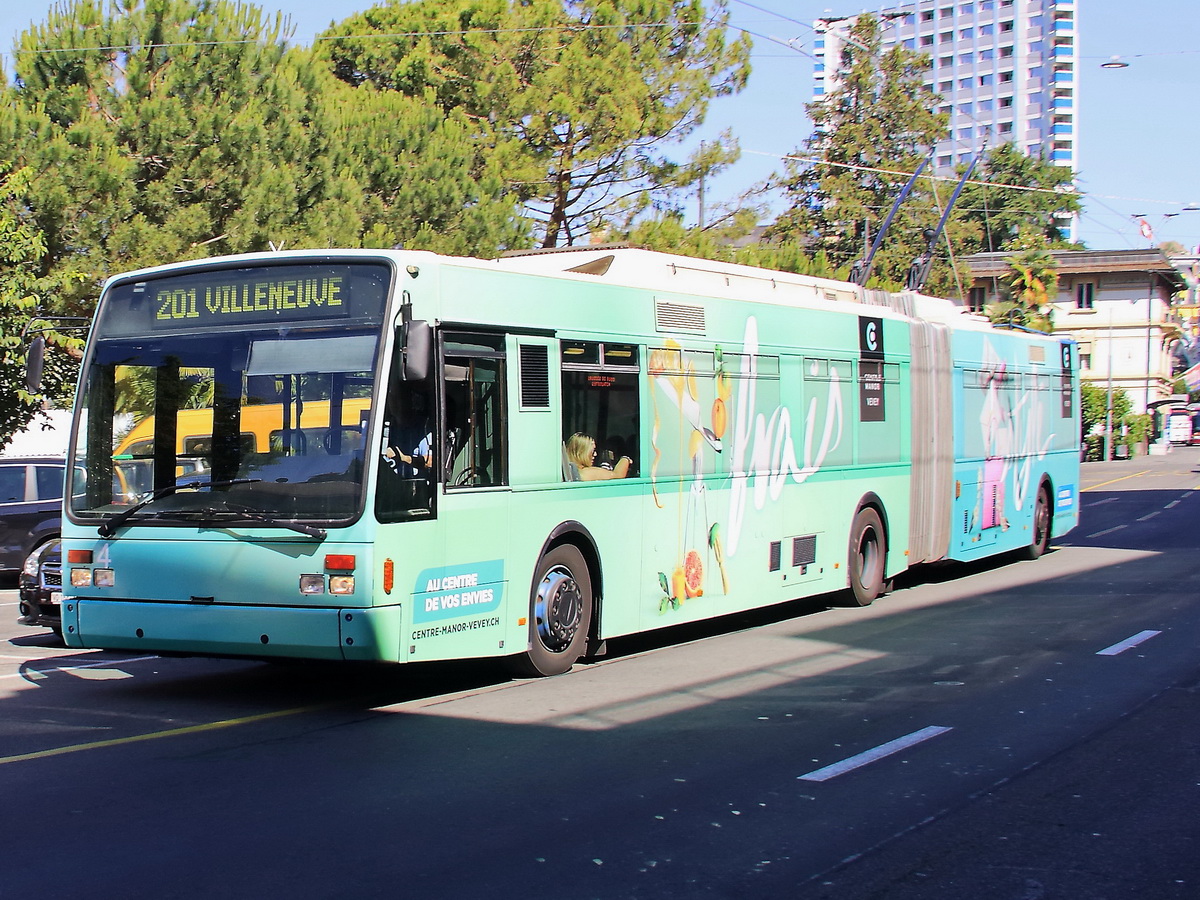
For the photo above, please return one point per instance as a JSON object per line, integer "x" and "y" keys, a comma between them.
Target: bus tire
{"x": 1042, "y": 524}
{"x": 868, "y": 557}
{"x": 560, "y": 613}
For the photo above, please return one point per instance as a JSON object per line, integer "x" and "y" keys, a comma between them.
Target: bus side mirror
{"x": 416, "y": 349}
{"x": 35, "y": 360}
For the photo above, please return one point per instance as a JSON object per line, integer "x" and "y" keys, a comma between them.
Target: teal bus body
{"x": 787, "y": 437}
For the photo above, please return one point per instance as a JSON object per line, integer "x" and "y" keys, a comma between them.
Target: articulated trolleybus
{"x": 400, "y": 456}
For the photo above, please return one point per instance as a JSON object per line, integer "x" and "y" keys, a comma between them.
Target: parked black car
{"x": 31, "y": 490}
{"x": 39, "y": 600}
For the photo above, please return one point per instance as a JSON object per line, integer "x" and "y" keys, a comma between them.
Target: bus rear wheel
{"x": 868, "y": 554}
{"x": 560, "y": 612}
{"x": 1041, "y": 525}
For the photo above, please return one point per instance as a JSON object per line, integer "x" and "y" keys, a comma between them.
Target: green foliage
{"x": 205, "y": 134}
{"x": 1029, "y": 288}
{"x": 22, "y": 249}
{"x": 1094, "y": 411}
{"x": 1000, "y": 214}
{"x": 1128, "y": 428}
{"x": 577, "y": 96}
{"x": 1137, "y": 427}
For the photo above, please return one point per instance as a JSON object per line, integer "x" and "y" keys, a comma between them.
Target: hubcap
{"x": 868, "y": 557}
{"x": 558, "y": 609}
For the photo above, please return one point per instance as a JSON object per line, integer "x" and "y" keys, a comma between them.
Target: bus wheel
{"x": 868, "y": 552}
{"x": 560, "y": 611}
{"x": 1041, "y": 525}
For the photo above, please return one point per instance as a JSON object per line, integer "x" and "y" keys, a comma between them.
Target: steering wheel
{"x": 466, "y": 476}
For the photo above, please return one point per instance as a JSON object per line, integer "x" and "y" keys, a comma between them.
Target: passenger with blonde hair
{"x": 581, "y": 452}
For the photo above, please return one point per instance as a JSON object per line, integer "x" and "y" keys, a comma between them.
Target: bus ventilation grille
{"x": 966, "y": 523}
{"x": 535, "y": 376}
{"x": 776, "y": 556}
{"x": 678, "y": 317}
{"x": 804, "y": 550}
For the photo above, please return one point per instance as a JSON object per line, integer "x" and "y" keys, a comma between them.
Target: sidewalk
{"x": 1178, "y": 459}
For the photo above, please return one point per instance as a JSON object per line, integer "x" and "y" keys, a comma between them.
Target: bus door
{"x": 474, "y": 502}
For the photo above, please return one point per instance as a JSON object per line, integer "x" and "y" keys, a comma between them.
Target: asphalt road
{"x": 1018, "y": 731}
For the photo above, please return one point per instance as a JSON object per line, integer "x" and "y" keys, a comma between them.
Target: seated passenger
{"x": 581, "y": 452}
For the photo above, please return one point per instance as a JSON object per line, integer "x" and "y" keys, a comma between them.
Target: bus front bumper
{"x": 370, "y": 634}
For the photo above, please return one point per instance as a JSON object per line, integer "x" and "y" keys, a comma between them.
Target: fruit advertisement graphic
{"x": 691, "y": 394}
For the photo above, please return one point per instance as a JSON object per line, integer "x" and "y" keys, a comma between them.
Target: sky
{"x": 1138, "y": 133}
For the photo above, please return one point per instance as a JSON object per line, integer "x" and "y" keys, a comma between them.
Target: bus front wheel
{"x": 868, "y": 555}
{"x": 560, "y": 611}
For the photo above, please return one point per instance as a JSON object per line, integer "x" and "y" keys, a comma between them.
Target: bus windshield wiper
{"x": 238, "y": 513}
{"x": 111, "y": 524}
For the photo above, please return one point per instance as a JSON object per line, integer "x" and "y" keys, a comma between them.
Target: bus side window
{"x": 600, "y": 383}
{"x": 474, "y": 443}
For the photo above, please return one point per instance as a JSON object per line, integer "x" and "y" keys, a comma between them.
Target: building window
{"x": 966, "y": 34}
{"x": 927, "y": 40}
{"x": 1006, "y": 77}
{"x": 985, "y": 80}
{"x": 1006, "y": 102}
{"x": 946, "y": 37}
{"x": 1006, "y": 27}
{"x": 1085, "y": 295}
{"x": 1006, "y": 127}
{"x": 927, "y": 16}
{"x": 945, "y": 87}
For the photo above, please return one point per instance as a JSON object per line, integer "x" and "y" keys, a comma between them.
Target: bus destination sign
{"x": 198, "y": 301}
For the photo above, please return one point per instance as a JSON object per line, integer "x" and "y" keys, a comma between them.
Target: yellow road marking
{"x": 1115, "y": 480}
{"x": 154, "y": 735}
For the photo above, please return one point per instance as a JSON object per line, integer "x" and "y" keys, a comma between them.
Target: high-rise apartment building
{"x": 1005, "y": 70}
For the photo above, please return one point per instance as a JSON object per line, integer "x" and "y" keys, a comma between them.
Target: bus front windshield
{"x": 224, "y": 394}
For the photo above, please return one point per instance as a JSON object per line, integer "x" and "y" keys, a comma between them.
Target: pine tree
{"x": 590, "y": 91}
{"x": 871, "y": 133}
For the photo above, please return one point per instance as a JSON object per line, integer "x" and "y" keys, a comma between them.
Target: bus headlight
{"x": 312, "y": 584}
{"x": 104, "y": 578}
{"x": 81, "y": 578}
{"x": 341, "y": 584}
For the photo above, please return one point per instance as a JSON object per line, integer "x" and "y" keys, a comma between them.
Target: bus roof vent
{"x": 535, "y": 376}
{"x": 669, "y": 316}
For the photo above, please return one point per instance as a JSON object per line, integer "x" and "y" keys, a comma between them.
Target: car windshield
{"x": 223, "y": 416}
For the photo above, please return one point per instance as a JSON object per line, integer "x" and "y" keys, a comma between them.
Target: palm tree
{"x": 1028, "y": 290}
